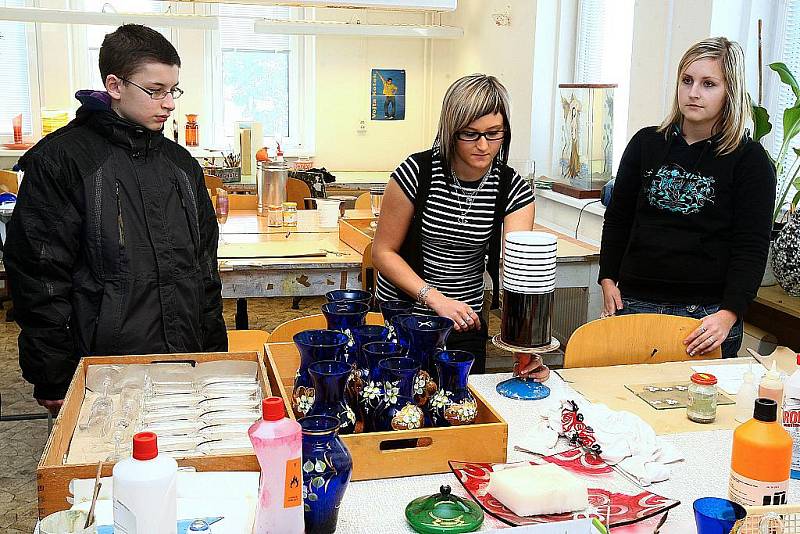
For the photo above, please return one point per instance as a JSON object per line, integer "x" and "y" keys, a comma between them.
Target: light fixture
{"x": 64, "y": 16}
{"x": 354, "y": 29}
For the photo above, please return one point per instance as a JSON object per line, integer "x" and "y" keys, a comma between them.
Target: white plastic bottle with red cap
{"x": 278, "y": 444}
{"x": 791, "y": 416}
{"x": 144, "y": 490}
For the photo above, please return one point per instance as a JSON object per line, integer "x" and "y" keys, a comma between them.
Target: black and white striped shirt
{"x": 453, "y": 254}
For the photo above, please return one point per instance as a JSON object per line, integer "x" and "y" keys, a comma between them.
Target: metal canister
{"x": 271, "y": 180}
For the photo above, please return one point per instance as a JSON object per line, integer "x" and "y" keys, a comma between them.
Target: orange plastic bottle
{"x": 761, "y": 458}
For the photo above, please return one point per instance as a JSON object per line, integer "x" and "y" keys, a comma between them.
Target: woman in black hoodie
{"x": 687, "y": 230}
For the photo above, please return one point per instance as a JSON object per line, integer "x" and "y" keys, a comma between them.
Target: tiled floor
{"x": 21, "y": 443}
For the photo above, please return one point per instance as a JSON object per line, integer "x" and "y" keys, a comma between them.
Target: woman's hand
{"x": 711, "y": 333}
{"x": 612, "y": 299}
{"x": 530, "y": 366}
{"x": 461, "y": 313}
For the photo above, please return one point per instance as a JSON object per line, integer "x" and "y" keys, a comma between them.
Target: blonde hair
{"x": 468, "y": 99}
{"x": 736, "y": 110}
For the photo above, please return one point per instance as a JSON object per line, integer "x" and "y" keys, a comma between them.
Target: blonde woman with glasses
{"x": 687, "y": 230}
{"x": 445, "y": 211}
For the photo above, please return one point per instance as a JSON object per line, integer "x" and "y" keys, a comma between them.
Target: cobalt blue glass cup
{"x": 716, "y": 516}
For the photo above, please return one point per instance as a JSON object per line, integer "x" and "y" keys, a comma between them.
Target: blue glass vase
{"x": 327, "y": 466}
{"x": 390, "y": 308}
{"x": 399, "y": 333}
{"x": 371, "y": 392}
{"x": 344, "y": 316}
{"x": 314, "y": 345}
{"x": 349, "y": 295}
{"x": 453, "y": 404}
{"x": 363, "y": 334}
{"x": 397, "y": 410}
{"x": 428, "y": 335}
{"x": 330, "y": 379}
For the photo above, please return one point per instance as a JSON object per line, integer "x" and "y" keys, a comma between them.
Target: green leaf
{"x": 312, "y": 497}
{"x": 761, "y": 123}
{"x": 308, "y": 466}
{"x": 796, "y": 199}
{"x": 319, "y": 467}
{"x": 791, "y": 122}
{"x": 786, "y": 77}
{"x": 306, "y": 507}
{"x": 317, "y": 482}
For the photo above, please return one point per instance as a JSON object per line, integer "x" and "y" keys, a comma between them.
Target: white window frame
{"x": 301, "y": 92}
{"x": 32, "y": 34}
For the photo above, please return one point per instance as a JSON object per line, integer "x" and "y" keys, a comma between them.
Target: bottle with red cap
{"x": 278, "y": 444}
{"x": 144, "y": 490}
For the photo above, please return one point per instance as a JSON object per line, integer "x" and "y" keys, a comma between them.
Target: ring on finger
{"x": 711, "y": 339}
{"x": 703, "y": 330}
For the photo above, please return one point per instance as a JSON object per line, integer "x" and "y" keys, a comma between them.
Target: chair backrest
{"x": 247, "y": 340}
{"x": 285, "y": 331}
{"x": 212, "y": 182}
{"x": 368, "y": 272}
{"x": 8, "y": 182}
{"x": 635, "y": 338}
{"x": 242, "y": 202}
{"x": 363, "y": 202}
{"x": 297, "y": 191}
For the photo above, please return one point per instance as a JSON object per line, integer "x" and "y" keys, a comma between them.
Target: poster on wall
{"x": 388, "y": 95}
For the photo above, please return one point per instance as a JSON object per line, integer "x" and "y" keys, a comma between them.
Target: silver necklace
{"x": 469, "y": 198}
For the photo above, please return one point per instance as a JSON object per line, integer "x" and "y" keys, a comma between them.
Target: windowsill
{"x": 7, "y": 152}
{"x": 591, "y": 205}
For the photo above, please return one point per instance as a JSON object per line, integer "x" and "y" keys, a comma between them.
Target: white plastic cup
{"x": 328, "y": 212}
{"x": 66, "y": 522}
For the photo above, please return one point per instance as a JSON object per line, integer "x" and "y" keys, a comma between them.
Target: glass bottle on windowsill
{"x": 192, "y": 130}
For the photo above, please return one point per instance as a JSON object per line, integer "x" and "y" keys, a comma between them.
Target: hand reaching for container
{"x": 530, "y": 366}
{"x": 462, "y": 314}
{"x": 612, "y": 299}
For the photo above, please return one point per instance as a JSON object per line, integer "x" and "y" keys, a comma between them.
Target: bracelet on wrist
{"x": 422, "y": 294}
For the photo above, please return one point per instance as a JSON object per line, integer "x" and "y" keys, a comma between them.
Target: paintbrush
{"x": 95, "y": 494}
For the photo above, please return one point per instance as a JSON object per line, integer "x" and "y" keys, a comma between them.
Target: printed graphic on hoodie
{"x": 680, "y": 191}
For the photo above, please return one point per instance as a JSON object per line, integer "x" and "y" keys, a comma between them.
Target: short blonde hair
{"x": 468, "y": 99}
{"x": 736, "y": 110}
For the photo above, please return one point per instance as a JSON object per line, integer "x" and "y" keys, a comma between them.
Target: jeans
{"x": 731, "y": 344}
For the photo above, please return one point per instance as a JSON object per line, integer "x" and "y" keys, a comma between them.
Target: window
{"x": 603, "y": 55}
{"x": 260, "y": 75}
{"x": 19, "y": 87}
{"x": 91, "y": 37}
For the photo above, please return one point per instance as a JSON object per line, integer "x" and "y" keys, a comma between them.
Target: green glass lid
{"x": 443, "y": 512}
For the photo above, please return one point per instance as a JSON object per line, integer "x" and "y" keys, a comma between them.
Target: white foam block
{"x": 538, "y": 489}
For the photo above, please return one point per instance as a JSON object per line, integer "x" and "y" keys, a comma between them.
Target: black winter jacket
{"x": 112, "y": 248}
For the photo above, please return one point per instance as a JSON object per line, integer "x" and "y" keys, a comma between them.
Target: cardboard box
{"x": 53, "y": 475}
{"x": 402, "y": 452}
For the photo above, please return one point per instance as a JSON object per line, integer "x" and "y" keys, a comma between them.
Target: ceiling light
{"x": 64, "y": 16}
{"x": 353, "y": 29}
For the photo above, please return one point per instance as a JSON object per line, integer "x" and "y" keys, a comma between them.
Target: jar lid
{"x": 704, "y": 379}
{"x": 443, "y": 512}
{"x": 274, "y": 207}
{"x": 290, "y": 204}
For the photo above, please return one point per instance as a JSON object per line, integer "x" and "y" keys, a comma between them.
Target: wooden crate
{"x": 403, "y": 452}
{"x": 356, "y": 232}
{"x": 53, "y": 475}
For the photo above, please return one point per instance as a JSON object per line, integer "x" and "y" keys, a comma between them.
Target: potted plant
{"x": 783, "y": 260}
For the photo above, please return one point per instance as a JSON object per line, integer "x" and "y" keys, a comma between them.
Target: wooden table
{"x": 248, "y": 222}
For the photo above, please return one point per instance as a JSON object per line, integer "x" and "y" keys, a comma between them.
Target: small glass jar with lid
{"x": 290, "y": 213}
{"x": 274, "y": 215}
{"x": 701, "y": 406}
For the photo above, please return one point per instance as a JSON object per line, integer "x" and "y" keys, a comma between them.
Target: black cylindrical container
{"x": 526, "y": 319}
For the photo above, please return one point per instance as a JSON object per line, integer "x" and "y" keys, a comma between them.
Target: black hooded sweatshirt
{"x": 112, "y": 248}
{"x": 687, "y": 226}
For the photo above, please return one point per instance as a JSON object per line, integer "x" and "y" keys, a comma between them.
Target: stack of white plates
{"x": 529, "y": 262}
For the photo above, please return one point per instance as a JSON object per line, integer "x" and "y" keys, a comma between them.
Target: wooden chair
{"x": 8, "y": 182}
{"x": 247, "y": 340}
{"x": 363, "y": 202}
{"x": 297, "y": 191}
{"x": 368, "y": 272}
{"x": 628, "y": 339}
{"x": 285, "y": 331}
{"x": 242, "y": 202}
{"x": 213, "y": 183}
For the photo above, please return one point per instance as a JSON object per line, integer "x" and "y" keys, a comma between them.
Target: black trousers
{"x": 473, "y": 341}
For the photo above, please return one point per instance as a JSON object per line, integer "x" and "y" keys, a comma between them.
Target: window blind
{"x": 790, "y": 55}
{"x": 16, "y": 87}
{"x": 236, "y": 28}
{"x": 589, "y": 45}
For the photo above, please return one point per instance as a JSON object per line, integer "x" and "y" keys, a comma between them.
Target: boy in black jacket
{"x": 112, "y": 248}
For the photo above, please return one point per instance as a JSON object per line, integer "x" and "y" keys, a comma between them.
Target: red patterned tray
{"x": 628, "y": 503}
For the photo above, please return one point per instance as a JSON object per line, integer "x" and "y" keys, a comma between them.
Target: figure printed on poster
{"x": 388, "y": 95}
